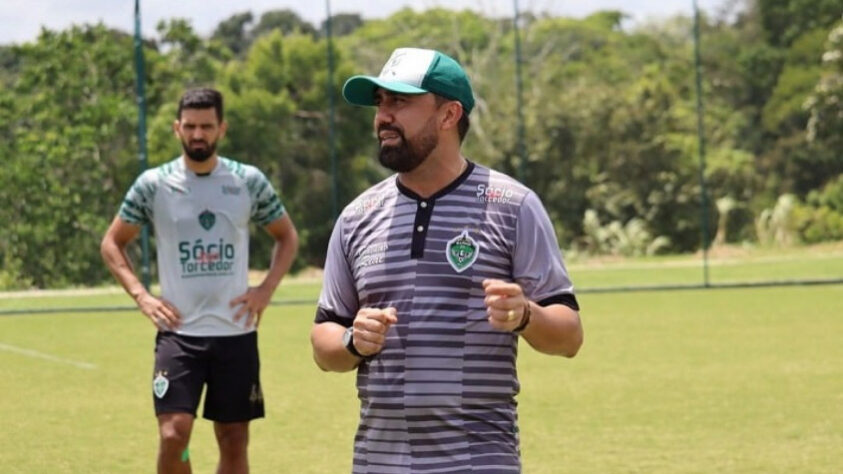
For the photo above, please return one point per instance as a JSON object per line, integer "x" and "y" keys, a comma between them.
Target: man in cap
{"x": 431, "y": 278}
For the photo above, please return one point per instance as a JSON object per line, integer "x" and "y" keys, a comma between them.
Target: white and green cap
{"x": 414, "y": 71}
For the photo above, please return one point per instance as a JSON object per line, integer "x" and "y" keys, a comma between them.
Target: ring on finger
{"x": 510, "y": 315}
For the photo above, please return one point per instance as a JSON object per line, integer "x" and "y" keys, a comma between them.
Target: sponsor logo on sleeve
{"x": 372, "y": 255}
{"x": 368, "y": 204}
{"x": 231, "y": 190}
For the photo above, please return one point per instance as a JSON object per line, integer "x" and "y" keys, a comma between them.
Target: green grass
{"x": 725, "y": 266}
{"x": 737, "y": 381}
{"x": 297, "y": 290}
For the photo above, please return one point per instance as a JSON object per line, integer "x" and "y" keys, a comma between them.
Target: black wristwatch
{"x": 348, "y": 342}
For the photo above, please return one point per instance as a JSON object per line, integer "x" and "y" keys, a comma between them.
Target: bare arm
{"x": 370, "y": 328}
{"x": 555, "y": 329}
{"x": 256, "y": 299}
{"x": 113, "y": 249}
{"x": 328, "y": 350}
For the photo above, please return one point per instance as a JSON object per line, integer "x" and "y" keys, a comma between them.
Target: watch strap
{"x": 349, "y": 345}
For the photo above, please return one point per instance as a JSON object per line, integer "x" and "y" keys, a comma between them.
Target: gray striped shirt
{"x": 440, "y": 397}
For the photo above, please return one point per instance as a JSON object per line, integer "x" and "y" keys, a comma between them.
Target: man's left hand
{"x": 506, "y": 304}
{"x": 253, "y": 302}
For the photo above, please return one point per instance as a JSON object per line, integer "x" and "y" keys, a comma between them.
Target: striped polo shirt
{"x": 440, "y": 396}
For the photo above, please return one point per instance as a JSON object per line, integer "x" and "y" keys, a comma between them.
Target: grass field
{"x": 696, "y": 381}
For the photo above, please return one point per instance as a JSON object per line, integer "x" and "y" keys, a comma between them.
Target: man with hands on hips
{"x": 207, "y": 316}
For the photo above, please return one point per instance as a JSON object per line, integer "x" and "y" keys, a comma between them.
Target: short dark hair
{"x": 464, "y": 123}
{"x": 201, "y": 98}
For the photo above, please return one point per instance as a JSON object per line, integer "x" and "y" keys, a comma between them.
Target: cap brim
{"x": 360, "y": 90}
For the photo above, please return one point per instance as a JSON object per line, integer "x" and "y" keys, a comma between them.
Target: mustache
{"x": 390, "y": 128}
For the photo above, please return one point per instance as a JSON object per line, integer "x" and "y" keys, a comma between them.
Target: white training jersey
{"x": 201, "y": 227}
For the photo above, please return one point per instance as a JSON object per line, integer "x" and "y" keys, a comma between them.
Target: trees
{"x": 278, "y": 102}
{"x": 70, "y": 118}
{"x": 609, "y": 116}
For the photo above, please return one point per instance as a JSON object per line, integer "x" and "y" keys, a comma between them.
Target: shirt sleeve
{"x": 266, "y": 205}
{"x": 537, "y": 262}
{"x": 137, "y": 204}
{"x": 338, "y": 300}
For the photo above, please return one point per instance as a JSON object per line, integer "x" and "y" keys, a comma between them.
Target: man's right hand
{"x": 162, "y": 313}
{"x": 370, "y": 327}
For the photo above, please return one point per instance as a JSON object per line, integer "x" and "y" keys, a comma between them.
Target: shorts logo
{"x": 160, "y": 384}
{"x": 256, "y": 395}
{"x": 462, "y": 251}
{"x": 207, "y": 219}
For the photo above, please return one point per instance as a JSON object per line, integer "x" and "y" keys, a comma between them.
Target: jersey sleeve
{"x": 537, "y": 261}
{"x": 137, "y": 205}
{"x": 338, "y": 300}
{"x": 266, "y": 205}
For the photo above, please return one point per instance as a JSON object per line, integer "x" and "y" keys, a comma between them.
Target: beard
{"x": 408, "y": 155}
{"x": 199, "y": 154}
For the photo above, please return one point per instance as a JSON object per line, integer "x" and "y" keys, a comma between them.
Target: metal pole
{"x": 141, "y": 97}
{"x": 522, "y": 146}
{"x": 701, "y": 137}
{"x": 331, "y": 114}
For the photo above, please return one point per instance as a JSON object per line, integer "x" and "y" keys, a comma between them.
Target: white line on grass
{"x": 41, "y": 355}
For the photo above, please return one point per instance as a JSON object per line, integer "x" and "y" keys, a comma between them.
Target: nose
{"x": 382, "y": 116}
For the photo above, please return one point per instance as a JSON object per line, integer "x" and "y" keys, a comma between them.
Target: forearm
{"x": 120, "y": 266}
{"x": 283, "y": 254}
{"x": 282, "y": 259}
{"x": 328, "y": 351}
{"x": 555, "y": 329}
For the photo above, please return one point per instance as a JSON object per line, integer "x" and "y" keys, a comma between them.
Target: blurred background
{"x": 684, "y": 144}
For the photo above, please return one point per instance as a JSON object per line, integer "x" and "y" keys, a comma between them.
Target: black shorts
{"x": 228, "y": 365}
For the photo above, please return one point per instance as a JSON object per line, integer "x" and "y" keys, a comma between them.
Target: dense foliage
{"x": 609, "y": 113}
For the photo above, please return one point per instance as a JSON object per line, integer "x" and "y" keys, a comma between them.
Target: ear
{"x": 176, "y": 128}
{"x": 223, "y": 128}
{"x": 453, "y": 114}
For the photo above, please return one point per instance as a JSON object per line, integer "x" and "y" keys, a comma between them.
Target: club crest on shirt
{"x": 462, "y": 251}
{"x": 207, "y": 219}
{"x": 160, "y": 384}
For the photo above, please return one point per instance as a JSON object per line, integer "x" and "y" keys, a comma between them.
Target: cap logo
{"x": 390, "y": 67}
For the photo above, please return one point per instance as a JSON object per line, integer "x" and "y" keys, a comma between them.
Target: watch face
{"x": 346, "y": 336}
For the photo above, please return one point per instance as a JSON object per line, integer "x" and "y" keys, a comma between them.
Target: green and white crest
{"x": 462, "y": 251}
{"x": 160, "y": 385}
{"x": 207, "y": 219}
